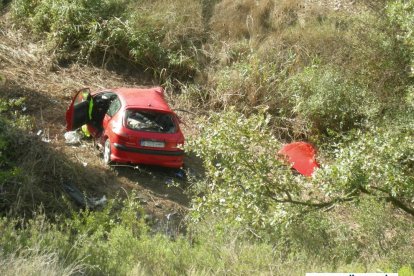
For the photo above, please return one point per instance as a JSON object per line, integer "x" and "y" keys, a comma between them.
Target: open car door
{"x": 78, "y": 112}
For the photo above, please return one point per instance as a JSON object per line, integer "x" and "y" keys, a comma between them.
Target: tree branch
{"x": 290, "y": 200}
{"x": 401, "y": 205}
{"x": 395, "y": 201}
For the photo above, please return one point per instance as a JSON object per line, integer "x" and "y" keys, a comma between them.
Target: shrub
{"x": 245, "y": 181}
{"x": 100, "y": 240}
{"x": 376, "y": 163}
{"x": 106, "y": 32}
{"x": 11, "y": 175}
{"x": 258, "y": 70}
{"x": 248, "y": 19}
{"x": 248, "y": 82}
{"x": 30, "y": 262}
{"x": 401, "y": 13}
{"x": 115, "y": 240}
{"x": 328, "y": 101}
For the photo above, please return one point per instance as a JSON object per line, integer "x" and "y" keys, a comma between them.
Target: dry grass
{"x": 43, "y": 73}
{"x": 249, "y": 19}
{"x": 32, "y": 73}
{"x": 277, "y": 25}
{"x": 37, "y": 263}
{"x": 180, "y": 18}
{"x": 234, "y": 20}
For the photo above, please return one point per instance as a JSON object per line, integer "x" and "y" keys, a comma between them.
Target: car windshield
{"x": 153, "y": 121}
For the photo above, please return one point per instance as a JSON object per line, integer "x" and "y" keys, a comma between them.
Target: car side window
{"x": 114, "y": 107}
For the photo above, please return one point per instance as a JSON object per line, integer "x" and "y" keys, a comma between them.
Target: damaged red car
{"x": 134, "y": 125}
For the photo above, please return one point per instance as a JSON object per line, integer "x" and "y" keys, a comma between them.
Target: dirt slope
{"x": 48, "y": 90}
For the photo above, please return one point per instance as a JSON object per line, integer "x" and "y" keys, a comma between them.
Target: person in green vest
{"x": 87, "y": 97}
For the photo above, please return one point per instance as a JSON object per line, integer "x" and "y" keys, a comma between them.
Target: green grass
{"x": 280, "y": 72}
{"x": 92, "y": 244}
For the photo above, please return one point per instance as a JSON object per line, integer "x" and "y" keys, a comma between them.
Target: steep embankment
{"x": 47, "y": 90}
{"x": 337, "y": 73}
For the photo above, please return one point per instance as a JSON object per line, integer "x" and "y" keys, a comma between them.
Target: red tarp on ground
{"x": 302, "y": 156}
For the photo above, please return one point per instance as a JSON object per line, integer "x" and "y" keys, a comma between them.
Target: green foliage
{"x": 364, "y": 231}
{"x": 324, "y": 75}
{"x": 247, "y": 187}
{"x": 103, "y": 242}
{"x": 402, "y": 14}
{"x": 13, "y": 147}
{"x": 377, "y": 163}
{"x": 318, "y": 73}
{"x": 244, "y": 179}
{"x": 10, "y": 121}
{"x": 12, "y": 111}
{"x": 4, "y": 142}
{"x": 324, "y": 98}
{"x": 106, "y": 238}
{"x": 250, "y": 81}
{"x": 406, "y": 271}
{"x": 102, "y": 32}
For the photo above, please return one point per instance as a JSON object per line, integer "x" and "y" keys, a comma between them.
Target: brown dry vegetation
{"x": 295, "y": 59}
{"x": 246, "y": 49}
{"x": 48, "y": 89}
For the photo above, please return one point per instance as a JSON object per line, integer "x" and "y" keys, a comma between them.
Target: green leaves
{"x": 327, "y": 100}
{"x": 103, "y": 31}
{"x": 98, "y": 31}
{"x": 246, "y": 182}
{"x": 402, "y": 14}
{"x": 242, "y": 168}
{"x": 378, "y": 163}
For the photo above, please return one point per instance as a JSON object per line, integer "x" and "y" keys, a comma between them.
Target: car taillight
{"x": 121, "y": 136}
{"x": 123, "y": 139}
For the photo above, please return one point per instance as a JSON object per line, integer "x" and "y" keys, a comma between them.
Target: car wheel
{"x": 107, "y": 152}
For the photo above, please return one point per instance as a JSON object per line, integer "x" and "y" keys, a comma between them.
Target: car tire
{"x": 107, "y": 152}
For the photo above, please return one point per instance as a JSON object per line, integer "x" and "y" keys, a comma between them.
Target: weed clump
{"x": 107, "y": 33}
{"x": 270, "y": 71}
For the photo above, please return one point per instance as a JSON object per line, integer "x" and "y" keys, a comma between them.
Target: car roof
{"x": 148, "y": 98}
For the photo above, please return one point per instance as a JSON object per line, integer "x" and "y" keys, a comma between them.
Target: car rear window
{"x": 152, "y": 121}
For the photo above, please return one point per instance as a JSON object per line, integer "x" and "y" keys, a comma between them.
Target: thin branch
{"x": 290, "y": 200}
{"x": 288, "y": 195}
{"x": 395, "y": 201}
{"x": 401, "y": 205}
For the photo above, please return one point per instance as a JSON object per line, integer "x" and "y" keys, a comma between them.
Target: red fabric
{"x": 302, "y": 157}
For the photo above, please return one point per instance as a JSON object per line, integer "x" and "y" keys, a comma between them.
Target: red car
{"x": 134, "y": 125}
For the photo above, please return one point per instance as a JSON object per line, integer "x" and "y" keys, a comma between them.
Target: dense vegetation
{"x": 266, "y": 72}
